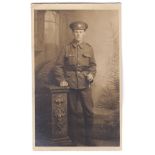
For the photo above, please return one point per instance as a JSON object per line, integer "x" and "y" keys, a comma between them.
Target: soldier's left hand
{"x": 90, "y": 77}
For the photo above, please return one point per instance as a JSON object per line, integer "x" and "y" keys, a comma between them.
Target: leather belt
{"x": 76, "y": 68}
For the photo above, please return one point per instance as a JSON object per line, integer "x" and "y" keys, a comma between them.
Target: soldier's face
{"x": 79, "y": 35}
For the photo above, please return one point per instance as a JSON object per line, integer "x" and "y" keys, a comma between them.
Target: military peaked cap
{"x": 78, "y": 25}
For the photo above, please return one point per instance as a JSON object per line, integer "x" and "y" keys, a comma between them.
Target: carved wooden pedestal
{"x": 59, "y": 116}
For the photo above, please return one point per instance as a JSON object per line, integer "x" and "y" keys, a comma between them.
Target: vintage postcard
{"x": 76, "y": 76}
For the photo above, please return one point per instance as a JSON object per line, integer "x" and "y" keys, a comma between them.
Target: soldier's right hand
{"x": 63, "y": 83}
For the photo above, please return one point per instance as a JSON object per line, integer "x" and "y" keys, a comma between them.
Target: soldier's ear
{"x": 84, "y": 32}
{"x": 73, "y": 32}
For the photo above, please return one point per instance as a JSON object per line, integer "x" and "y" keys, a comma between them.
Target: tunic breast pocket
{"x": 85, "y": 59}
{"x": 70, "y": 59}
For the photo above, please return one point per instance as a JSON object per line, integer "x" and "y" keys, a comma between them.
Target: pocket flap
{"x": 86, "y": 55}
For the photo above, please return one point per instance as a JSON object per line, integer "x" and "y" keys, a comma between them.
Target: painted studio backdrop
{"x": 51, "y": 33}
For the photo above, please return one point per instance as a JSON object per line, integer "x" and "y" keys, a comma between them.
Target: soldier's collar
{"x": 75, "y": 44}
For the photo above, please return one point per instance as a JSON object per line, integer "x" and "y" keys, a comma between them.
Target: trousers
{"x": 84, "y": 98}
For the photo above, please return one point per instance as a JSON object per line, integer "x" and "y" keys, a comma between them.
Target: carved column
{"x": 59, "y": 116}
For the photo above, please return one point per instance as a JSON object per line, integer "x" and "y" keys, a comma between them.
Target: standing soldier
{"x": 76, "y": 68}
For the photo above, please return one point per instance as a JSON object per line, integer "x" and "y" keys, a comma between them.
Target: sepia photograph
{"x": 76, "y": 52}
{"x": 77, "y": 77}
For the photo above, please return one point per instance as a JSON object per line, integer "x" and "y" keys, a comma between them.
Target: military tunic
{"x": 74, "y": 64}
